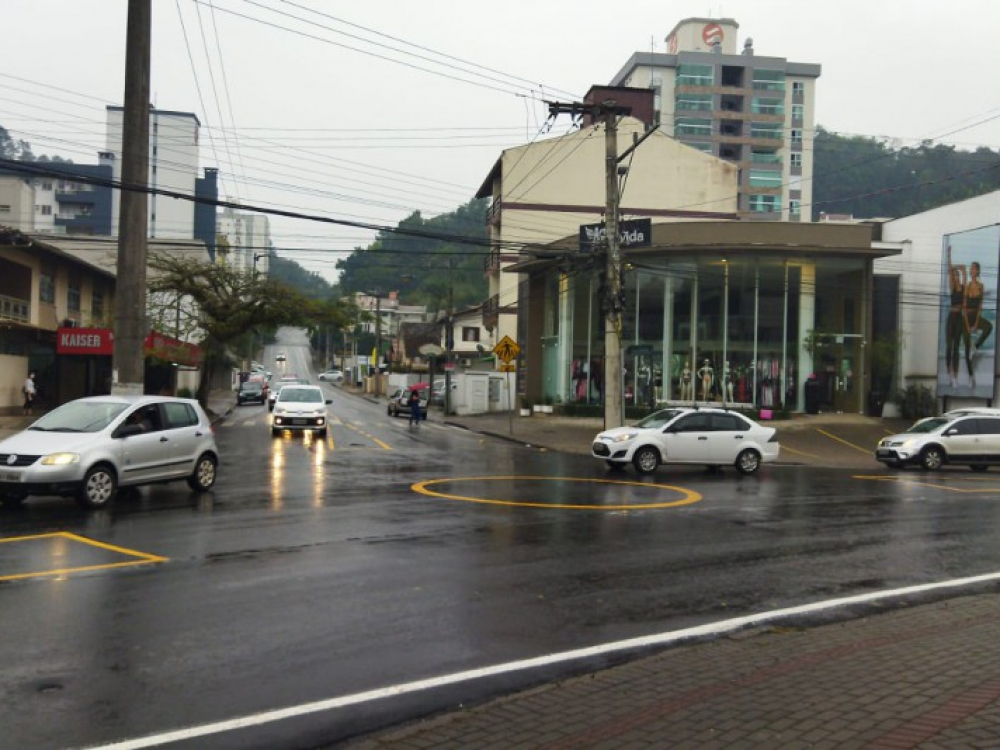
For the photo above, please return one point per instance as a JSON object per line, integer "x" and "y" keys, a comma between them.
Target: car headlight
{"x": 61, "y": 459}
{"x": 624, "y": 438}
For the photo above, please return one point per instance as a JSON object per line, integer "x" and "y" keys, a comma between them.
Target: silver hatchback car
{"x": 89, "y": 447}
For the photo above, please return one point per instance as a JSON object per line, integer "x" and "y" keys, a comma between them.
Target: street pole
{"x": 130, "y": 293}
{"x": 613, "y": 392}
{"x": 449, "y": 338}
{"x": 378, "y": 344}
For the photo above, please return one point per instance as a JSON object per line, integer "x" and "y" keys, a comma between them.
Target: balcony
{"x": 491, "y": 263}
{"x": 491, "y": 312}
{"x": 493, "y": 214}
{"x": 12, "y": 308}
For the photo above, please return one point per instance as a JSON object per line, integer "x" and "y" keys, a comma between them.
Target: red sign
{"x": 168, "y": 348}
{"x": 712, "y": 34}
{"x": 93, "y": 341}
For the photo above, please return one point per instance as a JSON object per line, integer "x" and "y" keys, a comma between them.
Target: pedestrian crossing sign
{"x": 507, "y": 349}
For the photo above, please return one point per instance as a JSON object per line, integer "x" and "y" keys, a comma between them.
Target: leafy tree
{"x": 291, "y": 273}
{"x": 227, "y": 304}
{"x": 11, "y": 149}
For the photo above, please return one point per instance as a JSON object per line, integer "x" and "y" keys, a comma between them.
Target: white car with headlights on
{"x": 92, "y": 446}
{"x": 710, "y": 437}
{"x": 963, "y": 436}
{"x": 300, "y": 407}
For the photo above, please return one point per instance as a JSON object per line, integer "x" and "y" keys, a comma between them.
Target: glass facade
{"x": 697, "y": 102}
{"x": 769, "y": 80}
{"x": 750, "y": 332}
{"x": 695, "y": 75}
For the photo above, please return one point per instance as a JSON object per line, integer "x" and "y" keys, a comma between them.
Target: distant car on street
{"x": 287, "y": 379}
{"x": 399, "y": 401}
{"x": 300, "y": 407}
{"x": 279, "y": 357}
{"x": 713, "y": 437}
{"x": 437, "y": 394}
{"x": 251, "y": 391}
{"x": 332, "y": 376}
{"x": 963, "y": 436}
{"x": 90, "y": 447}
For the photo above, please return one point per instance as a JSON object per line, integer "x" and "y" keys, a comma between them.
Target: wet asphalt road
{"x": 314, "y": 571}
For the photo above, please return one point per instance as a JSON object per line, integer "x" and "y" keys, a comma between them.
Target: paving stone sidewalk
{"x": 926, "y": 676}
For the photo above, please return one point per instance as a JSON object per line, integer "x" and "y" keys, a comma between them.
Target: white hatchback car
{"x": 711, "y": 437}
{"x": 300, "y": 407}
{"x": 91, "y": 446}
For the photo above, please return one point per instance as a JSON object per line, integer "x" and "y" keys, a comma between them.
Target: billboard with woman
{"x": 967, "y": 340}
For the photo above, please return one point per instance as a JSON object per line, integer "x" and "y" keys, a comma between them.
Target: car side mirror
{"x": 329, "y": 401}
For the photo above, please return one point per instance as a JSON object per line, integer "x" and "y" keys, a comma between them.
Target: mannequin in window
{"x": 727, "y": 382}
{"x": 686, "y": 385}
{"x": 706, "y": 374}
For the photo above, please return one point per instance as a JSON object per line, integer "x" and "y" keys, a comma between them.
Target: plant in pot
{"x": 525, "y": 406}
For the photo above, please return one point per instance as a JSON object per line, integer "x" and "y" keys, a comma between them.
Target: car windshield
{"x": 301, "y": 395}
{"x": 657, "y": 419}
{"x": 929, "y": 425}
{"x": 252, "y": 386}
{"x": 80, "y": 416}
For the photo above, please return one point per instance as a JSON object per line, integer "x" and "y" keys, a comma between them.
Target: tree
{"x": 11, "y": 149}
{"x": 228, "y": 304}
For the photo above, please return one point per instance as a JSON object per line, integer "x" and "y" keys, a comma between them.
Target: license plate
{"x": 10, "y": 476}
{"x": 300, "y": 421}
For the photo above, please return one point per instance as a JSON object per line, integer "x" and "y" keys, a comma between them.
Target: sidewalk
{"x": 925, "y": 676}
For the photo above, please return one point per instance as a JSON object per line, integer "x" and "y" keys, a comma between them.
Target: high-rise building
{"x": 754, "y": 111}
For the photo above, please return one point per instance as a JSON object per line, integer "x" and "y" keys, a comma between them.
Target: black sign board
{"x": 631, "y": 233}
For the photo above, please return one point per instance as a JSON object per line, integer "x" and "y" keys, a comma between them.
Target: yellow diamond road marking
{"x": 138, "y": 558}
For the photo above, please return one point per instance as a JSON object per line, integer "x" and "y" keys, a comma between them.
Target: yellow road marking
{"x": 371, "y": 437}
{"x": 915, "y": 482}
{"x": 845, "y": 442}
{"x": 143, "y": 558}
{"x": 688, "y": 496}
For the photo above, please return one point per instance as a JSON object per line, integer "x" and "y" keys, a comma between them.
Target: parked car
{"x": 251, "y": 391}
{"x": 90, "y": 447}
{"x": 960, "y": 437}
{"x": 713, "y": 437}
{"x": 279, "y": 357}
{"x": 399, "y": 401}
{"x": 332, "y": 376}
{"x": 300, "y": 407}
{"x": 437, "y": 393}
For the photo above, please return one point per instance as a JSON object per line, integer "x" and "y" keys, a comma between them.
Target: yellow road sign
{"x": 508, "y": 368}
{"x": 507, "y": 349}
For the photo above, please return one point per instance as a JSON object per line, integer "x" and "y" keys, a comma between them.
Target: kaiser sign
{"x": 631, "y": 233}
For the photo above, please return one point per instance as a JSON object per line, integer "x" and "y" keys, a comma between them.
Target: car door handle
{"x": 737, "y": 437}
{"x": 198, "y": 433}
{"x": 164, "y": 439}
{"x": 703, "y": 437}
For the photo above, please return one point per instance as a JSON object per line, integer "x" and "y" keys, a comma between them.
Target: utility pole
{"x": 130, "y": 294}
{"x": 449, "y": 338}
{"x": 608, "y": 113}
{"x": 378, "y": 344}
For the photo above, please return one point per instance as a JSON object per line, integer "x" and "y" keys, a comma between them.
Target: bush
{"x": 184, "y": 393}
{"x": 916, "y": 402}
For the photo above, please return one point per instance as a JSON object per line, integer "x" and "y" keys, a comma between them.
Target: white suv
{"x": 712, "y": 437}
{"x": 959, "y": 437}
{"x": 92, "y": 446}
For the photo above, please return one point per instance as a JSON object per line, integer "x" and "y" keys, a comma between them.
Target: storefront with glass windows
{"x": 767, "y": 315}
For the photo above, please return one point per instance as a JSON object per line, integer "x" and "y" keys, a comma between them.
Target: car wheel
{"x": 203, "y": 476}
{"x": 98, "y": 487}
{"x": 616, "y": 465}
{"x": 646, "y": 460}
{"x": 931, "y": 458}
{"x": 979, "y": 467}
{"x": 748, "y": 461}
{"x": 12, "y": 499}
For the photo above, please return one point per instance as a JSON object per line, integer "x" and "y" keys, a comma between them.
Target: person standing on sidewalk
{"x": 28, "y": 389}
{"x": 414, "y": 403}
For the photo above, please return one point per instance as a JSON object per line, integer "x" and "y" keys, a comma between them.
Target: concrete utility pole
{"x": 608, "y": 112}
{"x": 130, "y": 294}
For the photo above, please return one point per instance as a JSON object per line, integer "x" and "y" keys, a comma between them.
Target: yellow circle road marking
{"x": 687, "y": 496}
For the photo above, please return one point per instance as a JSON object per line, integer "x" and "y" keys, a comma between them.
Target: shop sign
{"x": 631, "y": 233}
{"x": 85, "y": 341}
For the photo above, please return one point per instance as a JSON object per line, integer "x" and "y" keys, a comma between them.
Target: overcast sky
{"x": 367, "y": 111}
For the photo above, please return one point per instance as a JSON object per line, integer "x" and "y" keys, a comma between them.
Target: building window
{"x": 73, "y": 295}
{"x": 765, "y": 157}
{"x": 695, "y": 75}
{"x": 769, "y": 80}
{"x": 798, "y": 112}
{"x": 700, "y": 102}
{"x": 770, "y": 131}
{"x": 764, "y": 204}
{"x": 47, "y": 286}
{"x": 762, "y": 106}
{"x": 794, "y": 207}
{"x": 796, "y": 137}
{"x": 691, "y": 126}
{"x": 470, "y": 334}
{"x": 97, "y": 304}
{"x": 796, "y": 159}
{"x": 798, "y": 88}
{"x": 45, "y": 210}
{"x": 47, "y": 185}
{"x": 766, "y": 179}
{"x": 4, "y": 208}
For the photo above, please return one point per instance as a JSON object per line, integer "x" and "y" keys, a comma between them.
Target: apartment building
{"x": 754, "y": 111}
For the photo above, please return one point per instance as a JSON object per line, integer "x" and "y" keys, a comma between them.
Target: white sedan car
{"x": 300, "y": 407}
{"x": 711, "y": 437}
